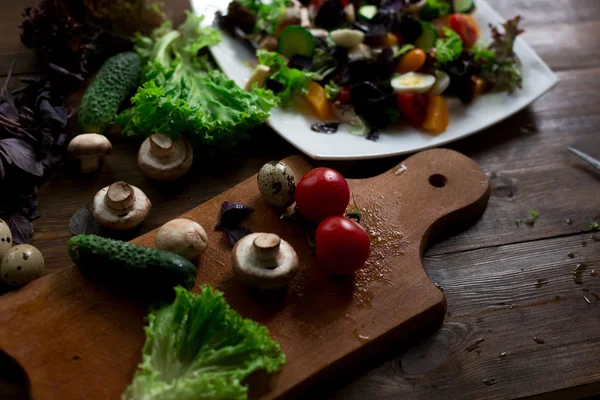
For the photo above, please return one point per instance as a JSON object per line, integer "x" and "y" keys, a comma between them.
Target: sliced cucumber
{"x": 296, "y": 41}
{"x": 428, "y": 36}
{"x": 464, "y": 6}
{"x": 367, "y": 12}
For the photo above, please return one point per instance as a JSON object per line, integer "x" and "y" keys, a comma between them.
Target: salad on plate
{"x": 376, "y": 63}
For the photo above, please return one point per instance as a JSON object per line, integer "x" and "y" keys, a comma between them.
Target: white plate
{"x": 487, "y": 110}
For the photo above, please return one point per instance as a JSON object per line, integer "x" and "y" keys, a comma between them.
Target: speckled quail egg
{"x": 277, "y": 184}
{"x": 21, "y": 265}
{"x": 5, "y": 239}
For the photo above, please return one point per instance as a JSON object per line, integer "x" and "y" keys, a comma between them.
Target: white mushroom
{"x": 350, "y": 13}
{"x": 184, "y": 237}
{"x": 165, "y": 159}
{"x": 277, "y": 184}
{"x": 265, "y": 261}
{"x": 120, "y": 206}
{"x": 360, "y": 52}
{"x": 319, "y": 33}
{"x": 304, "y": 18}
{"x": 347, "y": 38}
{"x": 89, "y": 148}
{"x": 21, "y": 264}
{"x": 5, "y": 239}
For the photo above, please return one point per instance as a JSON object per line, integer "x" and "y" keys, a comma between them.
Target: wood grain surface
{"x": 529, "y": 168}
{"x": 323, "y": 324}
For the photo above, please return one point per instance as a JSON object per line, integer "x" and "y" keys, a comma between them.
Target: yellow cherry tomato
{"x": 412, "y": 61}
{"x": 318, "y": 101}
{"x": 438, "y": 116}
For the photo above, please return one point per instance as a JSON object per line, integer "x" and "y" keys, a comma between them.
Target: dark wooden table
{"x": 505, "y": 284}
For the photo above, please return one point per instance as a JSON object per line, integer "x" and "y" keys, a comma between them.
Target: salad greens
{"x": 448, "y": 48}
{"x": 331, "y": 90}
{"x": 435, "y": 8}
{"x": 199, "y": 348}
{"x": 503, "y": 70}
{"x": 268, "y": 14}
{"x": 182, "y": 94}
{"x": 292, "y": 80}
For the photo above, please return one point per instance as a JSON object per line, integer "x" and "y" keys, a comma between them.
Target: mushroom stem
{"x": 161, "y": 145}
{"x": 120, "y": 196}
{"x": 89, "y": 164}
{"x": 266, "y": 247}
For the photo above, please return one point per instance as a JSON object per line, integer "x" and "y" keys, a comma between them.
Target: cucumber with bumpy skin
{"x": 116, "y": 80}
{"x": 125, "y": 264}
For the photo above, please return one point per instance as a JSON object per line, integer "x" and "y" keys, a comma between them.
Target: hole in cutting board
{"x": 438, "y": 180}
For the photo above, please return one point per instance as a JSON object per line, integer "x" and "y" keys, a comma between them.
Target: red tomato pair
{"x": 322, "y": 196}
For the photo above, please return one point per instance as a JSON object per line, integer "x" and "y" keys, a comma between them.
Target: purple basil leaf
{"x": 51, "y": 114}
{"x": 235, "y": 233}
{"x": 233, "y": 213}
{"x": 2, "y": 170}
{"x": 23, "y": 155}
{"x": 373, "y": 135}
{"x": 84, "y": 223}
{"x": 20, "y": 227}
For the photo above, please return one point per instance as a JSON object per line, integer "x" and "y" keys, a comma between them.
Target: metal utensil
{"x": 595, "y": 163}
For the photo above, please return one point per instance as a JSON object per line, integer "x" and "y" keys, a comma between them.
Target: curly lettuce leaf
{"x": 198, "y": 348}
{"x": 268, "y": 13}
{"x": 183, "y": 94}
{"x": 448, "y": 48}
{"x": 500, "y": 66}
{"x": 294, "y": 81}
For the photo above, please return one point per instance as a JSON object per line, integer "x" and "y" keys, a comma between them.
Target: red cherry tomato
{"x": 322, "y": 193}
{"x": 414, "y": 107}
{"x": 344, "y": 95}
{"x": 344, "y": 3}
{"x": 466, "y": 27}
{"x": 317, "y": 3}
{"x": 343, "y": 246}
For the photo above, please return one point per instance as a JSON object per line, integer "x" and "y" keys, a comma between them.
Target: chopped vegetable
{"x": 403, "y": 50}
{"x": 181, "y": 98}
{"x": 199, "y": 348}
{"x": 466, "y": 27}
{"x": 367, "y": 11}
{"x": 448, "y": 48}
{"x": 435, "y": 8}
{"x": 438, "y": 116}
{"x": 428, "y": 37}
{"x": 295, "y": 40}
{"x": 595, "y": 226}
{"x": 332, "y": 90}
{"x": 317, "y": 99}
{"x": 412, "y": 61}
{"x": 268, "y": 13}
{"x": 534, "y": 215}
{"x": 293, "y": 81}
{"x": 464, "y": 6}
{"x": 414, "y": 107}
{"x": 330, "y": 15}
{"x": 231, "y": 218}
{"x": 503, "y": 72}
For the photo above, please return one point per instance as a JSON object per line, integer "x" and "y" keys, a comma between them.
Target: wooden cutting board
{"x": 78, "y": 340}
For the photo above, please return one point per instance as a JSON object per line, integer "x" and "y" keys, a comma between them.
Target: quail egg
{"x": 277, "y": 184}
{"x": 5, "y": 238}
{"x": 21, "y": 264}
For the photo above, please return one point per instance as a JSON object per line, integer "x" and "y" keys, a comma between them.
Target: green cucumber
{"x": 428, "y": 37}
{"x": 296, "y": 41}
{"x": 116, "y": 80}
{"x": 367, "y": 12}
{"x": 464, "y": 6}
{"x": 125, "y": 264}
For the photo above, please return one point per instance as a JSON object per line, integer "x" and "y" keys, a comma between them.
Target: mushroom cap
{"x": 251, "y": 267}
{"x": 90, "y": 144}
{"x": 163, "y": 158}
{"x": 182, "y": 236}
{"x": 277, "y": 184}
{"x": 21, "y": 264}
{"x": 5, "y": 239}
{"x": 123, "y": 219}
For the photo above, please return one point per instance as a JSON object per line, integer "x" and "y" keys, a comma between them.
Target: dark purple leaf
{"x": 23, "y": 155}
{"x": 234, "y": 234}
{"x": 2, "y": 170}
{"x": 330, "y": 15}
{"x": 84, "y": 223}
{"x": 51, "y": 114}
{"x": 20, "y": 227}
{"x": 373, "y": 135}
{"x": 233, "y": 213}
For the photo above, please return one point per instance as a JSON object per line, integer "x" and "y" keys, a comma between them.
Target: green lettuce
{"x": 183, "y": 94}
{"x": 435, "y": 8}
{"x": 198, "y": 348}
{"x": 448, "y": 48}
{"x": 268, "y": 13}
{"x": 293, "y": 80}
